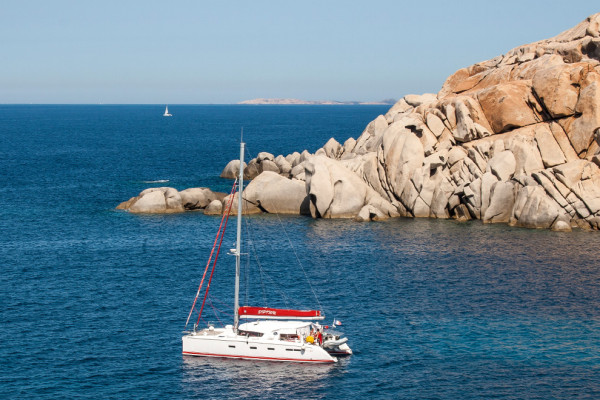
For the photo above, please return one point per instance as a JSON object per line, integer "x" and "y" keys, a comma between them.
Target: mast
{"x": 236, "y": 298}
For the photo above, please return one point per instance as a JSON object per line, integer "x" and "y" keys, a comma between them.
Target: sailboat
{"x": 272, "y": 334}
{"x": 166, "y": 114}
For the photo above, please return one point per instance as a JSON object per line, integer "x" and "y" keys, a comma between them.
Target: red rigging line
{"x": 227, "y": 211}
{"x": 220, "y": 233}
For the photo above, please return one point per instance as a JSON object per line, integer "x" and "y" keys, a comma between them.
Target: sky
{"x": 221, "y": 52}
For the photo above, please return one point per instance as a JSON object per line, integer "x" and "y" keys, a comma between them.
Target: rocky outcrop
{"x": 273, "y": 193}
{"x": 163, "y": 200}
{"x": 510, "y": 140}
{"x": 515, "y": 139}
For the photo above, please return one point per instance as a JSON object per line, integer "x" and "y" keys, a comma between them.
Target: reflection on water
{"x": 217, "y": 377}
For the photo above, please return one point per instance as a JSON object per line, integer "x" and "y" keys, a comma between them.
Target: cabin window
{"x": 250, "y": 333}
{"x": 232, "y": 346}
{"x": 270, "y": 348}
{"x": 289, "y": 349}
{"x": 253, "y": 347}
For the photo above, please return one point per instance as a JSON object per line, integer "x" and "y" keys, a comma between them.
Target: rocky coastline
{"x": 515, "y": 139}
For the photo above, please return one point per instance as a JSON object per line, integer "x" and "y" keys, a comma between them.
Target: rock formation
{"x": 514, "y": 139}
{"x": 163, "y": 200}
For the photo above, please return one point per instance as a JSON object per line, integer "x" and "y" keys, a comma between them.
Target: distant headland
{"x": 316, "y": 102}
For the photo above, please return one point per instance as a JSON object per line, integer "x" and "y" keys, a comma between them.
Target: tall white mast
{"x": 236, "y": 299}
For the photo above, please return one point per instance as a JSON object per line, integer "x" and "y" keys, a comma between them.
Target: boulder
{"x": 269, "y": 165}
{"x": 401, "y": 106}
{"x": 198, "y": 198}
{"x": 263, "y": 155}
{"x": 215, "y": 207}
{"x": 558, "y": 87}
{"x": 369, "y": 213}
{"x": 488, "y": 180}
{"x": 157, "y": 201}
{"x": 298, "y": 171}
{"x": 303, "y": 156}
{"x": 466, "y": 129}
{"x": 534, "y": 208}
{"x": 293, "y": 159}
{"x": 416, "y": 100}
{"x": 510, "y": 105}
{"x": 439, "y": 207}
{"x": 435, "y": 124}
{"x": 349, "y": 145}
{"x": 525, "y": 150}
{"x": 402, "y": 153}
{"x": 253, "y": 169}
{"x": 581, "y": 130}
{"x": 247, "y": 206}
{"x": 276, "y": 194}
{"x": 561, "y": 226}
{"x": 371, "y": 136}
{"x": 232, "y": 170}
{"x": 502, "y": 198}
{"x": 284, "y": 166}
{"x": 151, "y": 202}
{"x": 503, "y": 165}
{"x": 336, "y": 192}
{"x": 550, "y": 151}
{"x": 333, "y": 149}
{"x": 456, "y": 154}
{"x": 126, "y": 205}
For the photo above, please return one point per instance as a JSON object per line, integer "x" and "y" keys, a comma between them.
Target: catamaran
{"x": 166, "y": 114}
{"x": 273, "y": 334}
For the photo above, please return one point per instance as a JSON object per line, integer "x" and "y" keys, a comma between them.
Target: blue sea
{"x": 93, "y": 301}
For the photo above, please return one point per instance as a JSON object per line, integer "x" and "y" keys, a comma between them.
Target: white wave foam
{"x": 157, "y": 181}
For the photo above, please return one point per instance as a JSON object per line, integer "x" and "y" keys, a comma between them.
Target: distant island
{"x": 317, "y": 102}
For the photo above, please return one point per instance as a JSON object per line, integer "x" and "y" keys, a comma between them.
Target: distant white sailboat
{"x": 166, "y": 114}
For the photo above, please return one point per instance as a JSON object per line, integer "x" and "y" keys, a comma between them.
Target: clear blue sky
{"x": 227, "y": 51}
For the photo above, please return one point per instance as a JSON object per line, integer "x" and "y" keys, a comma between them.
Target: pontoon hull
{"x": 219, "y": 344}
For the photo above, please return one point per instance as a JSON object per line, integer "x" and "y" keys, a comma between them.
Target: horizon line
{"x": 190, "y": 104}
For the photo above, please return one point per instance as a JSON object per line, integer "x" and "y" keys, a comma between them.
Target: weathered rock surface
{"x": 163, "y": 200}
{"x": 274, "y": 193}
{"x": 198, "y": 198}
{"x": 215, "y": 207}
{"x": 336, "y": 192}
{"x": 515, "y": 139}
{"x": 232, "y": 169}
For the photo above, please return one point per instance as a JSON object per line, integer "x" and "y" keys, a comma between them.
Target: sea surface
{"x": 93, "y": 301}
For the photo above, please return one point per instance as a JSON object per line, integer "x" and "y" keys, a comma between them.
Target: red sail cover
{"x": 278, "y": 313}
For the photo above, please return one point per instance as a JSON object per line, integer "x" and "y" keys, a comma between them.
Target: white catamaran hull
{"x": 225, "y": 343}
{"x": 276, "y": 334}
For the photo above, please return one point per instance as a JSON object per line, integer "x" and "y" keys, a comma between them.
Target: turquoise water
{"x": 94, "y": 300}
